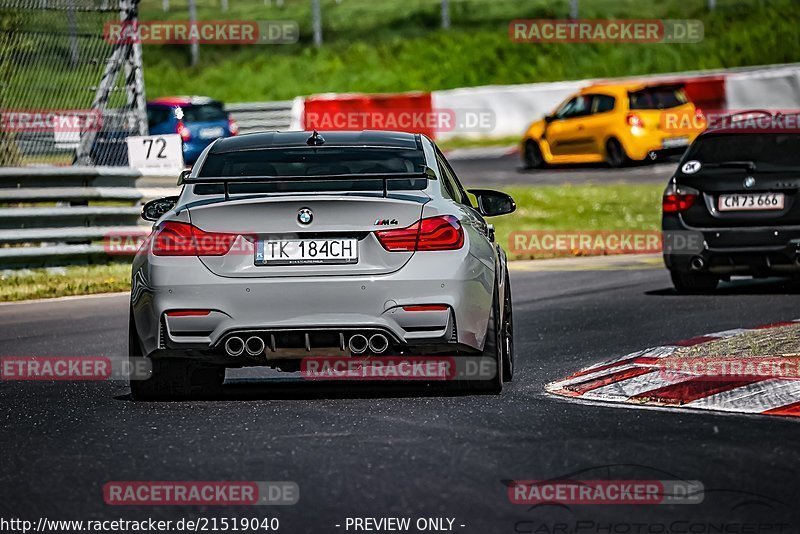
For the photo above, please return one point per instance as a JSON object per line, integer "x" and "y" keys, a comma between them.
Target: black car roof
{"x": 377, "y": 138}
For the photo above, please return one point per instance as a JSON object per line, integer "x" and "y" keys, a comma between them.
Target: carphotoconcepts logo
{"x": 51, "y": 120}
{"x": 241, "y": 32}
{"x": 406, "y": 120}
{"x": 609, "y": 492}
{"x": 726, "y": 368}
{"x": 606, "y": 31}
{"x": 73, "y": 368}
{"x": 604, "y": 242}
{"x": 741, "y": 120}
{"x": 427, "y": 368}
{"x": 192, "y": 493}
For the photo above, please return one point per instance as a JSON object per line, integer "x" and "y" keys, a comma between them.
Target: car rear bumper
{"x": 742, "y": 251}
{"x": 645, "y": 144}
{"x": 323, "y": 306}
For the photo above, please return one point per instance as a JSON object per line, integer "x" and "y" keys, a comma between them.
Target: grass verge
{"x": 50, "y": 282}
{"x": 482, "y": 142}
{"x": 627, "y": 207}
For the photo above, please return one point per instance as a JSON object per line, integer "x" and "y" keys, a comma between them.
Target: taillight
{"x": 434, "y": 233}
{"x": 678, "y": 199}
{"x": 183, "y": 131}
{"x": 634, "y": 120}
{"x": 182, "y": 239}
{"x": 425, "y": 307}
{"x": 188, "y": 313}
{"x": 233, "y": 128}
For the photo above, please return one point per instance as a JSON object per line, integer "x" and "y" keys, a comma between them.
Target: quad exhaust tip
{"x": 378, "y": 343}
{"x": 358, "y": 344}
{"x": 697, "y": 263}
{"x": 254, "y": 346}
{"x": 234, "y": 346}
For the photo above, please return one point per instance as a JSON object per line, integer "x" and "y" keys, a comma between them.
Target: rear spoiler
{"x": 185, "y": 178}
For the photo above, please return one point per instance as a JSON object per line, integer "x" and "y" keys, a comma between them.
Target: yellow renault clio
{"x": 612, "y": 123}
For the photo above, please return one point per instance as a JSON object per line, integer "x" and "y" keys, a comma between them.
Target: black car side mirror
{"x": 493, "y": 203}
{"x": 549, "y": 118}
{"x": 184, "y": 174}
{"x": 155, "y": 209}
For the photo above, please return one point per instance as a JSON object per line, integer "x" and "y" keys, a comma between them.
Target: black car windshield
{"x": 657, "y": 98}
{"x": 765, "y": 150}
{"x": 328, "y": 161}
{"x": 204, "y": 113}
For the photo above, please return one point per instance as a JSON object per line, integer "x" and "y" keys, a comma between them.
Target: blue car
{"x": 198, "y": 120}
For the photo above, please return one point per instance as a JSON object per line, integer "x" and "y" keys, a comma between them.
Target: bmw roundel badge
{"x": 305, "y": 216}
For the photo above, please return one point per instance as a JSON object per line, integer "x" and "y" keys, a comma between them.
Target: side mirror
{"x": 493, "y": 203}
{"x": 183, "y": 176}
{"x": 549, "y": 118}
{"x": 155, "y": 209}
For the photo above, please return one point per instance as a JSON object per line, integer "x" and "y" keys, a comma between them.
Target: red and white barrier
{"x": 777, "y": 88}
{"x": 513, "y": 107}
{"x": 644, "y": 378}
{"x": 405, "y": 112}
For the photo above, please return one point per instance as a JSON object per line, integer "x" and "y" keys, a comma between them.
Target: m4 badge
{"x": 385, "y": 222}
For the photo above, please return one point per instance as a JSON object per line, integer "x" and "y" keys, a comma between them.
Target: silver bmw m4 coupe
{"x": 288, "y": 245}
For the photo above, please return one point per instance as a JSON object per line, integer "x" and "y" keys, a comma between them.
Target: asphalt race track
{"x": 411, "y": 452}
{"x": 498, "y": 170}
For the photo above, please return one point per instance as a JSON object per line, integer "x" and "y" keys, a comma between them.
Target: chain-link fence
{"x": 68, "y": 93}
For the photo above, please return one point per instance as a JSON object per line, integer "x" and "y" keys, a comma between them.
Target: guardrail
{"x": 57, "y": 216}
{"x": 260, "y": 116}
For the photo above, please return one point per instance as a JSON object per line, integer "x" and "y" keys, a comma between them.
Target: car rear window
{"x": 204, "y": 113}
{"x": 657, "y": 98}
{"x": 328, "y": 161}
{"x": 157, "y": 115}
{"x": 781, "y": 150}
{"x": 313, "y": 186}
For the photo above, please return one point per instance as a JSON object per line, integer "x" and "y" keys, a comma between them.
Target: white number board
{"x": 156, "y": 151}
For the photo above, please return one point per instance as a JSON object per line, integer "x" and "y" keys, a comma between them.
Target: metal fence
{"x": 261, "y": 116}
{"x": 66, "y": 88}
{"x": 58, "y": 216}
{"x": 48, "y": 145}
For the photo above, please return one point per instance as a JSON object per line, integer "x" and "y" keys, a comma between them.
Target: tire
{"x": 173, "y": 378}
{"x": 693, "y": 283}
{"x": 507, "y": 335}
{"x": 615, "y": 154}
{"x": 532, "y": 156}
{"x": 492, "y": 349}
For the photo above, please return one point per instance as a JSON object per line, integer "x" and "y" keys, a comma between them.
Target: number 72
{"x": 158, "y": 141}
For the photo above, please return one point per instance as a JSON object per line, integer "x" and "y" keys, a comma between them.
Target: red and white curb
{"x": 637, "y": 379}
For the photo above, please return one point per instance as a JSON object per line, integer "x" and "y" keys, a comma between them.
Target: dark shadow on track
{"x": 760, "y": 286}
{"x": 599, "y": 166}
{"x": 299, "y": 389}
